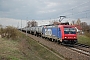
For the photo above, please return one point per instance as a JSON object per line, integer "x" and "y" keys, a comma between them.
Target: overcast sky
{"x": 13, "y": 11}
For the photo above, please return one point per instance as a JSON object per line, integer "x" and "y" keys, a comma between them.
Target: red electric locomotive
{"x": 68, "y": 34}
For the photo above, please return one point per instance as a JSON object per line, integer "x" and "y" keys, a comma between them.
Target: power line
{"x": 75, "y": 7}
{"x": 80, "y": 5}
{"x": 78, "y": 13}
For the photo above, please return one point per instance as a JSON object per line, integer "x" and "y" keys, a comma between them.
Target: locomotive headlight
{"x": 74, "y": 37}
{"x": 65, "y": 37}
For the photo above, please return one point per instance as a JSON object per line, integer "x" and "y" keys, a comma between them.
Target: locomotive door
{"x": 59, "y": 33}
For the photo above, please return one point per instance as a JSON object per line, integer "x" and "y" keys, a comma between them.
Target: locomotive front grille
{"x": 69, "y": 41}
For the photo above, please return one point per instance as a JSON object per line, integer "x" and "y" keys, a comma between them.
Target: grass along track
{"x": 25, "y": 48}
{"x": 84, "y": 39}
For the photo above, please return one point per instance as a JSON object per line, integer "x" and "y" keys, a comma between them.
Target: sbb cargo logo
{"x": 48, "y": 32}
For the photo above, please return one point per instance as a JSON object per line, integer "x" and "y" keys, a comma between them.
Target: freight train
{"x": 64, "y": 34}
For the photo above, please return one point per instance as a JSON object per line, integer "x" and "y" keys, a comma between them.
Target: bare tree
{"x": 28, "y": 24}
{"x": 78, "y": 22}
{"x": 0, "y": 26}
{"x": 84, "y": 26}
{"x": 32, "y": 23}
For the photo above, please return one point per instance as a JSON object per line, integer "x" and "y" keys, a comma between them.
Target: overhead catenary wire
{"x": 78, "y": 14}
{"x": 74, "y": 7}
{"x": 85, "y": 12}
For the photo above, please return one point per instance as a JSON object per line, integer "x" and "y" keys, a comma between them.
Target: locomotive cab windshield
{"x": 69, "y": 30}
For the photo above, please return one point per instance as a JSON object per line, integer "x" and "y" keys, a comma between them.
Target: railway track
{"x": 82, "y": 45}
{"x": 80, "y": 48}
{"x": 80, "y": 51}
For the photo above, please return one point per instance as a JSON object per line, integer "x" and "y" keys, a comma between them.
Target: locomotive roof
{"x": 65, "y": 26}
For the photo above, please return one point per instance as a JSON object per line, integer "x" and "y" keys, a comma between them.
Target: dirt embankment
{"x": 24, "y": 49}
